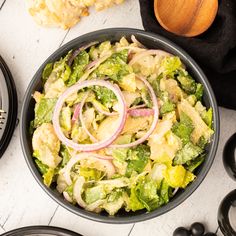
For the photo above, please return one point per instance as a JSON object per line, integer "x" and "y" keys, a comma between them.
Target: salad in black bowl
{"x": 121, "y": 123}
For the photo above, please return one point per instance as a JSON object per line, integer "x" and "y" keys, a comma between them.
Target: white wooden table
{"x": 24, "y": 46}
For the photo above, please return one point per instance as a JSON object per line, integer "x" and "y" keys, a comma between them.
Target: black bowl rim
{"x": 40, "y": 229}
{"x": 179, "y": 199}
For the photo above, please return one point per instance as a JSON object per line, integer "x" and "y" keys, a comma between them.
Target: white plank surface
{"x": 24, "y": 46}
{"x": 86, "y": 227}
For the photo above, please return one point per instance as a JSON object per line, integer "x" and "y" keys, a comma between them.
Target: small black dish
{"x": 152, "y": 41}
{"x": 229, "y": 160}
{"x": 41, "y": 231}
{"x": 8, "y": 106}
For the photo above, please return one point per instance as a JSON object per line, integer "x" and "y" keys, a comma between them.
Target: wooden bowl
{"x": 186, "y": 17}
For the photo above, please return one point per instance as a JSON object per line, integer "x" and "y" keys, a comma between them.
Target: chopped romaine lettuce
{"x": 94, "y": 194}
{"x": 42, "y": 167}
{"x": 48, "y": 177}
{"x": 187, "y": 83}
{"x": 116, "y": 66}
{"x": 188, "y": 153}
{"x": 43, "y": 111}
{"x": 200, "y": 127}
{"x": 47, "y": 71}
{"x": 171, "y": 65}
{"x": 199, "y": 91}
{"x": 78, "y": 67}
{"x": 168, "y": 106}
{"x": 146, "y": 192}
{"x": 65, "y": 118}
{"x": 137, "y": 159}
{"x": 164, "y": 192}
{"x": 114, "y": 202}
{"x": 64, "y": 153}
{"x": 183, "y": 128}
{"x": 192, "y": 165}
{"x": 91, "y": 173}
{"x": 105, "y": 96}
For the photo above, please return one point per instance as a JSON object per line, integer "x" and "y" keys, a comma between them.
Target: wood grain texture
{"x": 186, "y": 17}
{"x": 70, "y": 221}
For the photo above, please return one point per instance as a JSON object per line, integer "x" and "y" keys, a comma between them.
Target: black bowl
{"x": 151, "y": 41}
{"x": 40, "y": 231}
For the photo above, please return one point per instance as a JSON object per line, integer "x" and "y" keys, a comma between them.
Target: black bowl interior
{"x": 151, "y": 41}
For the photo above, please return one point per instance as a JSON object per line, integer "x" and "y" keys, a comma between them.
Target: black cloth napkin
{"x": 214, "y": 50}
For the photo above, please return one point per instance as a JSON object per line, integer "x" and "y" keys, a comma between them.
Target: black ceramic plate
{"x": 150, "y": 41}
{"x": 41, "y": 231}
{"x": 8, "y": 104}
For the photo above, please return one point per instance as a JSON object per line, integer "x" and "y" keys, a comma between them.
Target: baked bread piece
{"x": 64, "y": 13}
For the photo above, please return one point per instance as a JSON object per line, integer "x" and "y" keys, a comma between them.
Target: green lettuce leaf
{"x": 91, "y": 173}
{"x": 116, "y": 66}
{"x": 79, "y": 64}
{"x": 65, "y": 118}
{"x": 146, "y": 192}
{"x": 64, "y": 153}
{"x": 168, "y": 106}
{"x": 137, "y": 159}
{"x": 48, "y": 177}
{"x": 171, "y": 65}
{"x": 192, "y": 165}
{"x": 42, "y": 167}
{"x": 105, "y": 96}
{"x": 184, "y": 128}
{"x": 164, "y": 192}
{"x": 187, "y": 153}
{"x": 44, "y": 111}
{"x": 47, "y": 71}
{"x": 187, "y": 83}
{"x": 94, "y": 194}
{"x": 199, "y": 91}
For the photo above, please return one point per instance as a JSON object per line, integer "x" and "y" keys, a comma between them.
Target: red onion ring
{"x": 76, "y": 113}
{"x": 134, "y": 40}
{"x": 154, "y": 122}
{"x": 100, "y": 144}
{"x": 95, "y": 66}
{"x": 110, "y": 169}
{"x": 148, "y": 52}
{"x": 141, "y": 112}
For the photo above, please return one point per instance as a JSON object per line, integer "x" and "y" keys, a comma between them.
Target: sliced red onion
{"x": 76, "y": 113}
{"x": 138, "y": 56}
{"x": 141, "y": 112}
{"x": 134, "y": 40}
{"x": 67, "y": 196}
{"x": 78, "y": 190}
{"x": 154, "y": 122}
{"x": 95, "y": 66}
{"x": 91, "y": 64}
{"x": 110, "y": 169}
{"x": 103, "y": 143}
{"x": 137, "y": 107}
{"x": 76, "y": 52}
{"x": 93, "y": 139}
